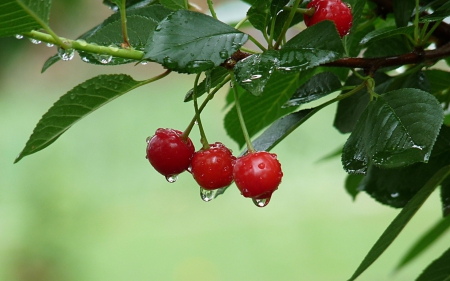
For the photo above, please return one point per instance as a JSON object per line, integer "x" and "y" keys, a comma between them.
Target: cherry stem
{"x": 123, "y": 17}
{"x": 211, "y": 9}
{"x": 250, "y": 147}
{"x": 203, "y": 139}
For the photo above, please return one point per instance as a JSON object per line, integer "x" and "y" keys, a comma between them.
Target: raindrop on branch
{"x": 66, "y": 54}
{"x": 19, "y": 36}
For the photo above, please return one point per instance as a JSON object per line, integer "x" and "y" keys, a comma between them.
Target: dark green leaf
{"x": 18, "y": 16}
{"x": 259, "y": 14}
{"x": 396, "y": 130}
{"x": 173, "y": 4}
{"x": 425, "y": 241}
{"x": 282, "y": 17}
{"x": 317, "y": 87}
{"x": 441, "y": 13}
{"x": 416, "y": 80}
{"x": 49, "y": 62}
{"x": 439, "y": 86}
{"x": 445, "y": 198}
{"x": 392, "y": 46}
{"x": 438, "y": 270}
{"x": 74, "y": 105}
{"x": 350, "y": 109}
{"x": 397, "y": 225}
{"x": 212, "y": 79}
{"x": 386, "y": 33}
{"x": 191, "y": 42}
{"x": 352, "y": 183}
{"x": 318, "y": 44}
{"x": 403, "y": 11}
{"x": 351, "y": 40}
{"x": 262, "y": 111}
{"x": 129, "y": 3}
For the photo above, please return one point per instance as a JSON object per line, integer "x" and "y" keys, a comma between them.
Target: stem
{"x": 156, "y": 78}
{"x": 82, "y": 45}
{"x": 250, "y": 147}
{"x": 287, "y": 24}
{"x": 241, "y": 22}
{"x": 203, "y": 139}
{"x": 57, "y": 40}
{"x": 436, "y": 24}
{"x": 257, "y": 43}
{"x": 416, "y": 24}
{"x": 123, "y": 16}
{"x": 249, "y": 50}
{"x": 302, "y": 11}
{"x": 211, "y": 9}
{"x": 272, "y": 28}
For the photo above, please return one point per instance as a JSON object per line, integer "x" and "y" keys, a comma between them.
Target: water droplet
{"x": 66, "y": 55}
{"x": 72, "y": 96}
{"x": 104, "y": 58}
{"x": 50, "y": 45}
{"x": 144, "y": 62}
{"x": 261, "y": 202}
{"x": 224, "y": 54}
{"x": 256, "y": 76}
{"x": 172, "y": 178}
{"x": 261, "y": 165}
{"x": 395, "y": 195}
{"x": 113, "y": 48}
{"x": 34, "y": 41}
{"x": 85, "y": 59}
{"x": 19, "y": 36}
{"x": 158, "y": 28}
{"x": 208, "y": 81}
{"x": 148, "y": 139}
{"x": 169, "y": 63}
{"x": 207, "y": 195}
{"x": 199, "y": 65}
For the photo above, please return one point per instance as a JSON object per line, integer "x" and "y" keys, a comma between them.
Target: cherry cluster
{"x": 256, "y": 174}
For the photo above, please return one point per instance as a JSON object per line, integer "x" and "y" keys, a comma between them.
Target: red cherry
{"x": 213, "y": 168}
{"x": 333, "y": 10}
{"x": 168, "y": 153}
{"x": 257, "y": 175}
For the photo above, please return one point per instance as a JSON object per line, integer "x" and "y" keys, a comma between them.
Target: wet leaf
{"x": 73, "y": 106}
{"x": 173, "y": 4}
{"x": 387, "y": 32}
{"x": 396, "y": 130}
{"x": 403, "y": 11}
{"x": 352, "y": 39}
{"x": 439, "y": 14}
{"x": 351, "y": 185}
{"x": 259, "y": 14}
{"x": 400, "y": 221}
{"x": 445, "y": 198}
{"x": 425, "y": 241}
{"x": 191, "y": 42}
{"x": 438, "y": 270}
{"x": 18, "y": 16}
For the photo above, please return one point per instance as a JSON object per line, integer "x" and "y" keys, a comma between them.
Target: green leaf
{"x": 173, "y": 4}
{"x": 350, "y": 109}
{"x": 49, "y": 62}
{"x": 386, "y": 33}
{"x": 74, "y": 105}
{"x": 403, "y": 11}
{"x": 213, "y": 78}
{"x": 392, "y": 46}
{"x": 351, "y": 40}
{"x": 318, "y": 44}
{"x": 445, "y": 198}
{"x": 440, "y": 14}
{"x": 129, "y": 3}
{"x": 351, "y": 185}
{"x": 425, "y": 241}
{"x": 261, "y": 111}
{"x": 191, "y": 42}
{"x": 438, "y": 270}
{"x": 439, "y": 87}
{"x": 259, "y": 14}
{"x": 317, "y": 87}
{"x": 397, "y": 225}
{"x": 416, "y": 79}
{"x": 396, "y": 130}
{"x": 19, "y": 16}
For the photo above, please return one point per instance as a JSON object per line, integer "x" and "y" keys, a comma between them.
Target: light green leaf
{"x": 397, "y": 225}
{"x": 74, "y": 105}
{"x": 191, "y": 42}
{"x": 438, "y": 270}
{"x": 18, "y": 16}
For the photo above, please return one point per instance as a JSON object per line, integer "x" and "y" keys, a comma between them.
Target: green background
{"x": 90, "y": 206}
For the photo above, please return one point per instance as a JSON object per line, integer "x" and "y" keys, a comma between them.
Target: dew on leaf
{"x": 172, "y": 178}
{"x": 207, "y": 195}
{"x": 256, "y": 76}
{"x": 199, "y": 65}
{"x": 246, "y": 81}
{"x": 224, "y": 54}
{"x": 34, "y": 41}
{"x": 169, "y": 63}
{"x": 66, "y": 54}
{"x": 104, "y": 58}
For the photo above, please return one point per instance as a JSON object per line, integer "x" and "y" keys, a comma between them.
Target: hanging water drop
{"x": 223, "y": 54}
{"x": 172, "y": 178}
{"x": 261, "y": 202}
{"x": 50, "y": 45}
{"x": 19, "y": 36}
{"x": 144, "y": 62}
{"x": 169, "y": 63}
{"x": 207, "y": 195}
{"x": 34, "y": 41}
{"x": 104, "y": 58}
{"x": 66, "y": 55}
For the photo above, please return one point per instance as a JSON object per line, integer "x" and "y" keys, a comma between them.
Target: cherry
{"x": 334, "y": 10}
{"x": 257, "y": 175}
{"x": 213, "y": 168}
{"x": 169, "y": 153}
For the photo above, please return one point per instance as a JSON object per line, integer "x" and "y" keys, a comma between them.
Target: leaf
{"x": 253, "y": 72}
{"x": 392, "y": 46}
{"x": 441, "y": 13}
{"x": 445, "y": 198}
{"x": 397, "y": 225}
{"x": 173, "y": 4}
{"x": 317, "y": 87}
{"x": 416, "y": 79}
{"x": 350, "y": 109}
{"x": 129, "y": 3}
{"x": 74, "y": 105}
{"x": 351, "y": 40}
{"x": 403, "y": 11}
{"x": 261, "y": 111}
{"x": 19, "y": 16}
{"x": 351, "y": 185}
{"x": 259, "y": 14}
{"x": 425, "y": 241}
{"x": 386, "y": 32}
{"x": 49, "y": 62}
{"x": 216, "y": 76}
{"x": 318, "y": 44}
{"x": 191, "y": 42}
{"x": 396, "y": 130}
{"x": 438, "y": 270}
{"x": 439, "y": 87}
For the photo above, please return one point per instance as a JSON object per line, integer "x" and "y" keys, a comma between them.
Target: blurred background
{"x": 90, "y": 206}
